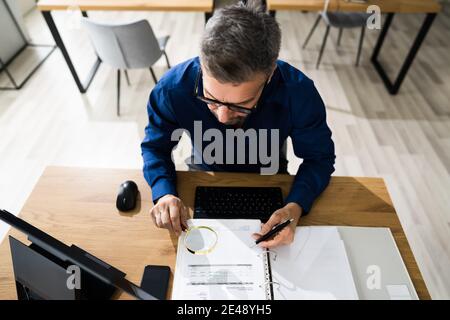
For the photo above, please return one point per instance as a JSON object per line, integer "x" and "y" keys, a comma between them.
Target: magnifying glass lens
{"x": 200, "y": 240}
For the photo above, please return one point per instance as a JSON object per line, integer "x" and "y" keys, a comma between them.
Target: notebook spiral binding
{"x": 273, "y": 256}
{"x": 268, "y": 283}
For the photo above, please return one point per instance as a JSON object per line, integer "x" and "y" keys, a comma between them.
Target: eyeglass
{"x": 217, "y": 103}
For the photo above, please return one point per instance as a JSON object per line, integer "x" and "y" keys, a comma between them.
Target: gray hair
{"x": 240, "y": 41}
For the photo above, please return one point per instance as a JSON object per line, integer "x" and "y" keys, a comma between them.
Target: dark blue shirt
{"x": 289, "y": 102}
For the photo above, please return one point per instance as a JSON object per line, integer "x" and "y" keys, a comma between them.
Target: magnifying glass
{"x": 200, "y": 240}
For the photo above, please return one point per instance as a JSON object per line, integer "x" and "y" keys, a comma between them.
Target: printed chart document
{"x": 314, "y": 266}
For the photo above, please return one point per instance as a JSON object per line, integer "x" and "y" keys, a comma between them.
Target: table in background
{"x": 390, "y": 7}
{"x": 47, "y": 6}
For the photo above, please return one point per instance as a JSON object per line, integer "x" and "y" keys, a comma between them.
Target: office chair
{"x": 340, "y": 20}
{"x": 127, "y": 46}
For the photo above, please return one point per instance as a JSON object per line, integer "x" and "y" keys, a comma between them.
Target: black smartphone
{"x": 156, "y": 281}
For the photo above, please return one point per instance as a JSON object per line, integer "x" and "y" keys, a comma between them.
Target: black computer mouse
{"x": 127, "y": 196}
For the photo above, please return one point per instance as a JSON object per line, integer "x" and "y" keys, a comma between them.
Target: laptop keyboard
{"x": 237, "y": 202}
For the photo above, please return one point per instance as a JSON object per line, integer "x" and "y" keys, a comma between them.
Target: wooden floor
{"x": 404, "y": 139}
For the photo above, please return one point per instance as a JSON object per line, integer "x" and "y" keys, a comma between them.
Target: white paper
{"x": 233, "y": 270}
{"x": 314, "y": 266}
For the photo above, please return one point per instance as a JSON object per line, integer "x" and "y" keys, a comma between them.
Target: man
{"x": 238, "y": 83}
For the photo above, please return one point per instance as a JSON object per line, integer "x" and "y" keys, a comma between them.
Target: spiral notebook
{"x": 314, "y": 266}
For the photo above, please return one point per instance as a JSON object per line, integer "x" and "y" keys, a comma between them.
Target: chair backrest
{"x": 126, "y": 46}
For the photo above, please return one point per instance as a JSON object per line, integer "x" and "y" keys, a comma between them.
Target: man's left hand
{"x": 290, "y": 211}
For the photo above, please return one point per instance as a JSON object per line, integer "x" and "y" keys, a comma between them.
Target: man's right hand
{"x": 170, "y": 213}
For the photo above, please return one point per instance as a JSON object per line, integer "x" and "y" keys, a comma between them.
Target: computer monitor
{"x": 41, "y": 270}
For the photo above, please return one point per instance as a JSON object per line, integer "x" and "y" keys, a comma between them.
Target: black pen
{"x": 274, "y": 231}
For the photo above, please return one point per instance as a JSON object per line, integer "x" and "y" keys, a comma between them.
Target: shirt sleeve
{"x": 159, "y": 169}
{"x": 311, "y": 139}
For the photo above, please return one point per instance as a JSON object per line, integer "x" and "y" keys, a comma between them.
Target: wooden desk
{"x": 77, "y": 206}
{"x": 386, "y": 6}
{"x": 131, "y": 5}
{"x": 47, "y": 6}
{"x": 390, "y": 7}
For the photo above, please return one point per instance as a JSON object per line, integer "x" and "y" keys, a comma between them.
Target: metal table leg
{"x": 82, "y": 87}
{"x": 393, "y": 87}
